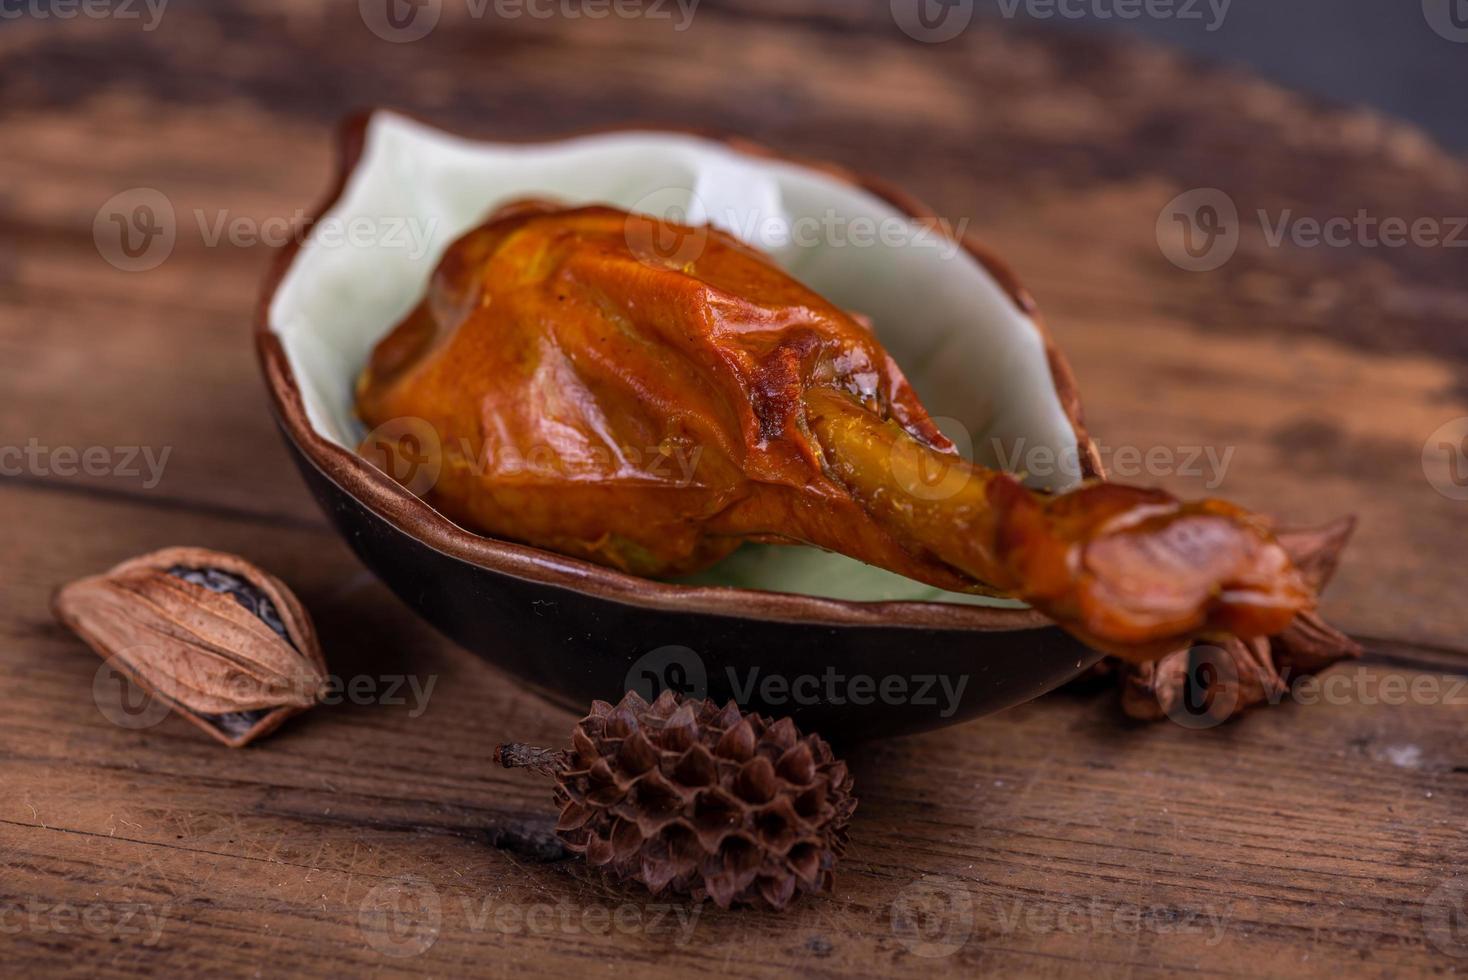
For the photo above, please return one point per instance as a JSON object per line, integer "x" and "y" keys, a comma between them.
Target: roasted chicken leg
{"x": 648, "y": 395}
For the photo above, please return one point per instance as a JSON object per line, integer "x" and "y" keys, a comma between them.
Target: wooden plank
{"x": 1066, "y": 836}
{"x": 1264, "y": 401}
{"x": 1048, "y": 840}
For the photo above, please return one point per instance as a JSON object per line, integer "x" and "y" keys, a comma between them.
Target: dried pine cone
{"x": 683, "y": 795}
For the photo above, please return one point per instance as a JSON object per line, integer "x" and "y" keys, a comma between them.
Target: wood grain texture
{"x": 1051, "y": 840}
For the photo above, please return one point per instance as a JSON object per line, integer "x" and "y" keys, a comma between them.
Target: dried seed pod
{"x": 223, "y": 643}
{"x": 1235, "y": 674}
{"x": 687, "y": 797}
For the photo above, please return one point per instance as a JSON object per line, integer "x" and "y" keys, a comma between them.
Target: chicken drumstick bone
{"x": 566, "y": 363}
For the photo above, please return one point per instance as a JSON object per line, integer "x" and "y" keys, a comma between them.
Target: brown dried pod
{"x": 223, "y": 643}
{"x": 1235, "y": 674}
{"x": 690, "y": 798}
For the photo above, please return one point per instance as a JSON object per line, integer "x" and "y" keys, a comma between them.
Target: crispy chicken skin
{"x": 648, "y": 395}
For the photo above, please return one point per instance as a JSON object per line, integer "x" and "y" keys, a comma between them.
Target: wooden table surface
{"x": 1054, "y": 839}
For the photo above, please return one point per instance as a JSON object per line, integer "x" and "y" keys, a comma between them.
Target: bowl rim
{"x": 395, "y": 504}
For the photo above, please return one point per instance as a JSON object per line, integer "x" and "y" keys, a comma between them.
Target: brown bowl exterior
{"x": 575, "y": 631}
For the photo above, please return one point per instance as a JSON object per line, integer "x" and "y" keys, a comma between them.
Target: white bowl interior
{"x": 976, "y": 360}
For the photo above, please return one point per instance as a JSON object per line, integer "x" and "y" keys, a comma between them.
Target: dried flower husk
{"x": 1239, "y": 674}
{"x": 224, "y": 643}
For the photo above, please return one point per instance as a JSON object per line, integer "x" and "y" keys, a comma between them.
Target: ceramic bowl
{"x": 845, "y": 649}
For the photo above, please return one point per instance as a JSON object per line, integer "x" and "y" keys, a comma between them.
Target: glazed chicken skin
{"x": 648, "y": 395}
